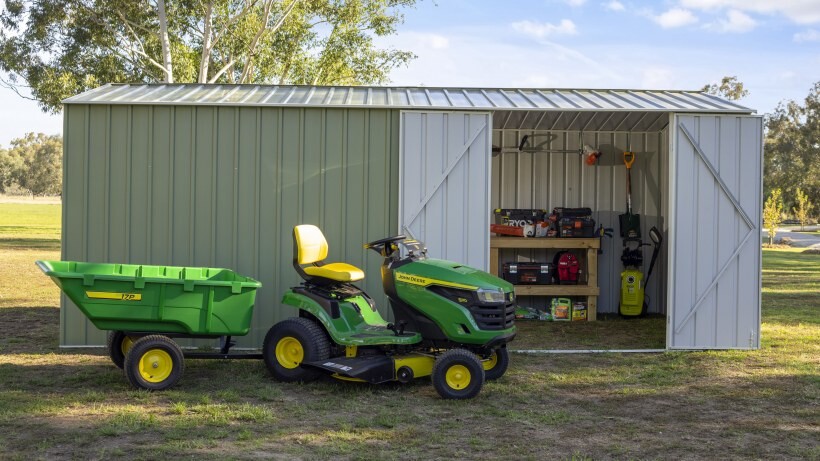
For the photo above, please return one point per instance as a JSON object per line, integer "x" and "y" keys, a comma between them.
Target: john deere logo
{"x": 415, "y": 280}
{"x": 424, "y": 281}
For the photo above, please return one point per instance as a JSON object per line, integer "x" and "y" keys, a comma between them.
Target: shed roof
{"x": 508, "y": 99}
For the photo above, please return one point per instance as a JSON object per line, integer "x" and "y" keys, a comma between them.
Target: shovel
{"x": 630, "y": 223}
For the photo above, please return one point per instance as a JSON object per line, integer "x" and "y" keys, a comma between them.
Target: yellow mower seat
{"x": 310, "y": 247}
{"x": 340, "y": 272}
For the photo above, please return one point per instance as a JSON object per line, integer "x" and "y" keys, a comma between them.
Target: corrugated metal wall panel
{"x": 715, "y": 288}
{"x": 223, "y": 187}
{"x": 548, "y": 179}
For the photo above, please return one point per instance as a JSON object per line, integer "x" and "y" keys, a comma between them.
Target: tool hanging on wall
{"x": 591, "y": 155}
{"x": 630, "y": 223}
{"x": 525, "y": 140}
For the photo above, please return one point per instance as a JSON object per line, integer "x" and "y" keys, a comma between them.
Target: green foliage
{"x": 60, "y": 48}
{"x": 33, "y": 164}
{"x": 803, "y": 208}
{"x": 792, "y": 148}
{"x": 772, "y": 213}
{"x": 10, "y": 166}
{"x": 729, "y": 88}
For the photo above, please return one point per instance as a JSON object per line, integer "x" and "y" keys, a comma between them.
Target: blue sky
{"x": 772, "y": 46}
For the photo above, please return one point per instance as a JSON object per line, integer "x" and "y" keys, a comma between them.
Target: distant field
{"x": 75, "y": 404}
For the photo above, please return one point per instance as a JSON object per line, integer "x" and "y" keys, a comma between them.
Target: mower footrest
{"x": 376, "y": 369}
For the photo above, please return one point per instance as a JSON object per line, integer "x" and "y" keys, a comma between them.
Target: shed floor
{"x": 609, "y": 332}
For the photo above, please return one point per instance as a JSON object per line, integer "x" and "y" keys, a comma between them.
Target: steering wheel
{"x": 384, "y": 241}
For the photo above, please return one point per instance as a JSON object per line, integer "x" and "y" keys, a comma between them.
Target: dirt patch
{"x": 609, "y": 332}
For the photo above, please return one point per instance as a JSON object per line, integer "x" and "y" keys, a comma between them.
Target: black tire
{"x": 458, "y": 374}
{"x": 499, "y": 361}
{"x": 291, "y": 342}
{"x": 154, "y": 363}
{"x": 118, "y": 345}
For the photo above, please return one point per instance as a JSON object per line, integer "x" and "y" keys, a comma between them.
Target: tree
{"x": 803, "y": 208}
{"x": 729, "y": 88}
{"x": 11, "y": 166}
{"x": 772, "y": 213}
{"x": 58, "y": 48}
{"x": 34, "y": 163}
{"x": 792, "y": 148}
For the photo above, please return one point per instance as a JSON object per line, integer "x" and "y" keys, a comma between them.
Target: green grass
{"x": 25, "y": 220}
{"x": 75, "y": 404}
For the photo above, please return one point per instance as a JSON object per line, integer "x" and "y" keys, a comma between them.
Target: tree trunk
{"x": 206, "y": 44}
{"x": 166, "y": 44}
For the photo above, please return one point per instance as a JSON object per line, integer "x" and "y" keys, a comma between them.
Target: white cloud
{"x": 575, "y": 3}
{"x": 614, "y": 5}
{"x": 541, "y": 30}
{"x": 676, "y": 17}
{"x": 810, "y": 35}
{"x": 799, "y": 11}
{"x": 736, "y": 22}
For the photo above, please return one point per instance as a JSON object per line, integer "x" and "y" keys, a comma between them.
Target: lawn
{"x": 696, "y": 405}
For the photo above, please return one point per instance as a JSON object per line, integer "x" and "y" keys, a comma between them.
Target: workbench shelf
{"x": 591, "y": 246}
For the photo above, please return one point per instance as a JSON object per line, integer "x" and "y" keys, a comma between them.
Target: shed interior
{"x": 548, "y": 170}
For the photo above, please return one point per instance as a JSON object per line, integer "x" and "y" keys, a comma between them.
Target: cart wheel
{"x": 458, "y": 374}
{"x": 291, "y": 342}
{"x": 497, "y": 364}
{"x": 154, "y": 363}
{"x": 118, "y": 345}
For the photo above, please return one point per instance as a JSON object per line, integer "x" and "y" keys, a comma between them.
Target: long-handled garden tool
{"x": 630, "y": 223}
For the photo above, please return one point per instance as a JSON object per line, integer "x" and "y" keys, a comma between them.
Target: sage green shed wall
{"x": 223, "y": 187}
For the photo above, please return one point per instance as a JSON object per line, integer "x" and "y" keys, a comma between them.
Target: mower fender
{"x": 304, "y": 303}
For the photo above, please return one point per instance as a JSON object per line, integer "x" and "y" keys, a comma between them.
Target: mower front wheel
{"x": 458, "y": 374}
{"x": 291, "y": 342}
{"x": 497, "y": 364}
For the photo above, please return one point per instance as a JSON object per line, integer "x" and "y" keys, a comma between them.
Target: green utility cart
{"x": 143, "y": 307}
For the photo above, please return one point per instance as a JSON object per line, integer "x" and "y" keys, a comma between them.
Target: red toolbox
{"x": 534, "y": 273}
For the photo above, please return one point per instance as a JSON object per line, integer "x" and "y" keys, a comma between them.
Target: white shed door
{"x": 444, "y": 183}
{"x": 715, "y": 264}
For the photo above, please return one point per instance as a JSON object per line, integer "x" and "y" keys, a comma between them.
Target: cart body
{"x": 184, "y": 301}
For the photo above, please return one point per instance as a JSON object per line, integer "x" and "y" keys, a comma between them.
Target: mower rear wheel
{"x": 291, "y": 342}
{"x": 154, "y": 363}
{"x": 118, "y": 345}
{"x": 497, "y": 364}
{"x": 458, "y": 374}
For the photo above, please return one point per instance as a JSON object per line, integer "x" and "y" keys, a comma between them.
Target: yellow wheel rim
{"x": 156, "y": 365}
{"x": 457, "y": 377}
{"x": 289, "y": 352}
{"x": 126, "y": 344}
{"x": 490, "y": 363}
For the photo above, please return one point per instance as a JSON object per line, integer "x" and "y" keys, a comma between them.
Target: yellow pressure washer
{"x": 633, "y": 297}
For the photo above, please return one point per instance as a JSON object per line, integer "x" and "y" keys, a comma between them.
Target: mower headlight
{"x": 490, "y": 296}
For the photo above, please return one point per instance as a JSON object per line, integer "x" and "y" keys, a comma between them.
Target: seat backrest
{"x": 310, "y": 244}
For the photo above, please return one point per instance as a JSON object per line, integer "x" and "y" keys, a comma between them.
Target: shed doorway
{"x": 699, "y": 171}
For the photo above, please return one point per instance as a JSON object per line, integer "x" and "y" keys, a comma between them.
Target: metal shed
{"x": 217, "y": 175}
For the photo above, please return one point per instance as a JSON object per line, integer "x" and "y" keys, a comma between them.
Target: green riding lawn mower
{"x": 452, "y": 322}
